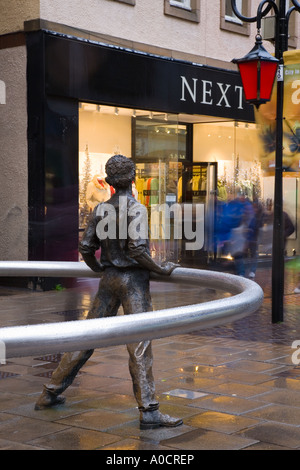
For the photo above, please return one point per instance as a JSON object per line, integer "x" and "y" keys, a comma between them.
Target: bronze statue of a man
{"x": 125, "y": 264}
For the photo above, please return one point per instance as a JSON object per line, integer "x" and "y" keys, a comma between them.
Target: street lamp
{"x": 258, "y": 70}
{"x": 282, "y": 16}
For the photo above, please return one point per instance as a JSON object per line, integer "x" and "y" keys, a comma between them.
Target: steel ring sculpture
{"x": 49, "y": 338}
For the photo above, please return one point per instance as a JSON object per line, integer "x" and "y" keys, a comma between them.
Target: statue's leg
{"x": 140, "y": 368}
{"x": 138, "y": 300}
{"x": 71, "y": 362}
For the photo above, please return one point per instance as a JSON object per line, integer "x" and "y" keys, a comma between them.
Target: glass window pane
{"x": 229, "y": 15}
{"x": 181, "y": 3}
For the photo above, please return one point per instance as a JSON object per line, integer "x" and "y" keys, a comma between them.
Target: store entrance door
{"x": 160, "y": 150}
{"x": 198, "y": 184}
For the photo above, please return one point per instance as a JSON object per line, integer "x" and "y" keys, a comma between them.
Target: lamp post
{"x": 282, "y": 16}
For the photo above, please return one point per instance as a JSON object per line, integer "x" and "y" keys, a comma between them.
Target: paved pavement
{"x": 235, "y": 386}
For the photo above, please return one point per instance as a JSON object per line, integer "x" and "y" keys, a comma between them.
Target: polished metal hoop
{"x": 247, "y": 296}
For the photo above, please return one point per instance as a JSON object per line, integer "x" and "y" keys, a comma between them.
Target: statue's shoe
{"x": 47, "y": 400}
{"x": 156, "y": 419}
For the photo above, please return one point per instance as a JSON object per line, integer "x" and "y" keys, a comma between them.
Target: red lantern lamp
{"x": 258, "y": 70}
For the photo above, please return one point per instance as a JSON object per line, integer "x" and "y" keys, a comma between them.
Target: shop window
{"x": 229, "y": 14}
{"x": 160, "y": 147}
{"x": 183, "y": 9}
{"x": 181, "y": 4}
{"x": 186, "y": 163}
{"x": 230, "y": 22}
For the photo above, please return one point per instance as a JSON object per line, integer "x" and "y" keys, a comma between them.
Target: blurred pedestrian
{"x": 240, "y": 213}
{"x": 288, "y": 226}
{"x": 238, "y": 247}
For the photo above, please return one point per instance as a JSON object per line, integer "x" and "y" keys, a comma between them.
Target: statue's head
{"x": 120, "y": 171}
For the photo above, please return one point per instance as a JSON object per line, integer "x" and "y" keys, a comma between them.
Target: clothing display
{"x": 151, "y": 192}
{"x": 179, "y": 190}
{"x": 191, "y": 186}
{"x": 97, "y": 191}
{"x": 148, "y": 191}
{"x": 198, "y": 183}
{"x": 221, "y": 192}
{"x": 139, "y": 184}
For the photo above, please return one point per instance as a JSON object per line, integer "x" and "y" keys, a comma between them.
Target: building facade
{"x": 152, "y": 80}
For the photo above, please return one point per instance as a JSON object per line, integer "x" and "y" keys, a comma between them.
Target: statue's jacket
{"x": 119, "y": 227}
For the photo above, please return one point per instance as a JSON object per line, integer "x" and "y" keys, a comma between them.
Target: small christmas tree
{"x": 84, "y": 180}
{"x": 257, "y": 190}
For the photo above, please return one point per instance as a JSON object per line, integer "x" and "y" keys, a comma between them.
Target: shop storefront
{"x": 186, "y": 126}
{"x": 197, "y": 162}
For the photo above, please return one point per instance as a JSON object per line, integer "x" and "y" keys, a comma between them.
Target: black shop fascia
{"x": 64, "y": 71}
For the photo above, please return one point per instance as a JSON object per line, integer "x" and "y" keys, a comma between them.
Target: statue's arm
{"x": 89, "y": 245}
{"x": 147, "y": 262}
{"x": 138, "y": 246}
{"x": 92, "y": 262}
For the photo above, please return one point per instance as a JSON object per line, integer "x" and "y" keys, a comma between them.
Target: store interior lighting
{"x": 160, "y": 116}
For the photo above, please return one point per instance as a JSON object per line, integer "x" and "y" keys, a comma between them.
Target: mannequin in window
{"x": 97, "y": 191}
{"x": 135, "y": 191}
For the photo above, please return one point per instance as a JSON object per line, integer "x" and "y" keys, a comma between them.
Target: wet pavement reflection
{"x": 235, "y": 386}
